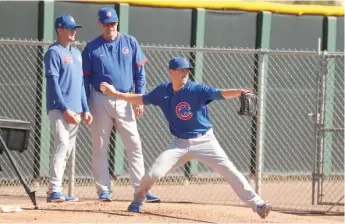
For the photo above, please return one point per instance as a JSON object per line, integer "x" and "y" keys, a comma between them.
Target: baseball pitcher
{"x": 184, "y": 105}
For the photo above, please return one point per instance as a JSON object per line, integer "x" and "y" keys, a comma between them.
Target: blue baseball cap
{"x": 107, "y": 15}
{"x": 65, "y": 21}
{"x": 179, "y": 63}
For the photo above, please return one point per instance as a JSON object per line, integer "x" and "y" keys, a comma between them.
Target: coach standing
{"x": 117, "y": 59}
{"x": 66, "y": 101}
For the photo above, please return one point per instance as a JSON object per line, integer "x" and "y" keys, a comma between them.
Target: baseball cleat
{"x": 135, "y": 206}
{"x": 55, "y": 197}
{"x": 264, "y": 209}
{"x": 152, "y": 198}
{"x": 105, "y": 196}
{"x": 70, "y": 198}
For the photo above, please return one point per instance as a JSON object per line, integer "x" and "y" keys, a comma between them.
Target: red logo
{"x": 183, "y": 111}
{"x": 108, "y": 14}
{"x": 125, "y": 50}
{"x": 67, "y": 60}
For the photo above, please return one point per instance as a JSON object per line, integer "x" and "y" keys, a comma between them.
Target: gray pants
{"x": 108, "y": 112}
{"x": 207, "y": 150}
{"x": 64, "y": 135}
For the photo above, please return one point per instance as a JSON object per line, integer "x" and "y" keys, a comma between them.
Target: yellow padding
{"x": 234, "y": 5}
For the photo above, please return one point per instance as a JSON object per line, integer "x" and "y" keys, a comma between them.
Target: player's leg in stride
{"x": 207, "y": 150}
{"x": 172, "y": 158}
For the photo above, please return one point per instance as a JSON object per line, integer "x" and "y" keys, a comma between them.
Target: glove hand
{"x": 248, "y": 103}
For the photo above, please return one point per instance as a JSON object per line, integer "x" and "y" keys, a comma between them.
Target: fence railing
{"x": 292, "y": 152}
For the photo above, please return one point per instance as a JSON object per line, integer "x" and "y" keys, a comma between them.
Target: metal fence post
{"x": 319, "y": 126}
{"x": 316, "y": 116}
{"x": 264, "y": 20}
{"x": 321, "y": 135}
{"x": 262, "y": 60}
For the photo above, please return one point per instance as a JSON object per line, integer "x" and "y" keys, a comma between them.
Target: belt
{"x": 98, "y": 90}
{"x": 197, "y": 135}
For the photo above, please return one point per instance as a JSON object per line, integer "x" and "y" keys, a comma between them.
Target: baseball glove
{"x": 248, "y": 102}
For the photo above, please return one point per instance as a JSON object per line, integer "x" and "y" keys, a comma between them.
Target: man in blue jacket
{"x": 66, "y": 101}
{"x": 115, "y": 58}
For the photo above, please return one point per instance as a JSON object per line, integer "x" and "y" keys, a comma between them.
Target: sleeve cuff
{"x": 86, "y": 110}
{"x": 86, "y": 73}
{"x": 146, "y": 100}
{"x": 141, "y": 63}
{"x": 218, "y": 95}
{"x": 63, "y": 108}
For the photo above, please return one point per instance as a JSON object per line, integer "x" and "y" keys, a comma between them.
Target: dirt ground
{"x": 291, "y": 196}
{"x": 92, "y": 211}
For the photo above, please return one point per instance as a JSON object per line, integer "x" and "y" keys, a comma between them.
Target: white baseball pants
{"x": 207, "y": 150}
{"x": 64, "y": 135}
{"x": 108, "y": 112}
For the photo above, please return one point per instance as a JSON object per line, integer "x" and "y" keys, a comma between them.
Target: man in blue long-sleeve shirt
{"x": 117, "y": 59}
{"x": 66, "y": 101}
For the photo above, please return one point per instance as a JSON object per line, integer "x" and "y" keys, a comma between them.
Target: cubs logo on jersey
{"x": 184, "y": 111}
{"x": 125, "y": 50}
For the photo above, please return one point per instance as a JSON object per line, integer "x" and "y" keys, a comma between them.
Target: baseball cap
{"x": 65, "y": 21}
{"x": 107, "y": 15}
{"x": 179, "y": 63}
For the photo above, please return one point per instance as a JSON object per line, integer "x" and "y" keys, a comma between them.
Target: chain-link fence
{"x": 292, "y": 152}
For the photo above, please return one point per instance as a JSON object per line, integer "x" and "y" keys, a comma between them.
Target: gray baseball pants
{"x": 64, "y": 135}
{"x": 207, "y": 150}
{"x": 108, "y": 112}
